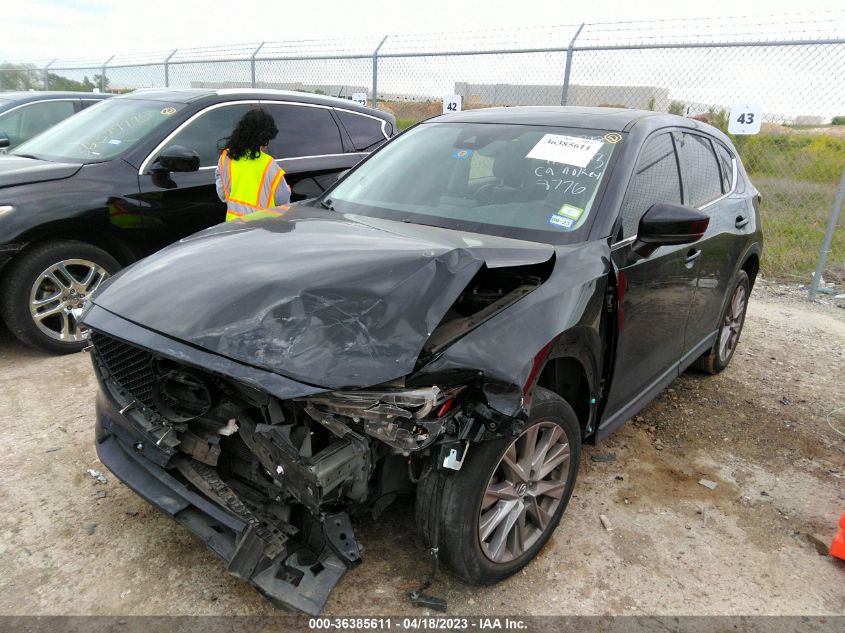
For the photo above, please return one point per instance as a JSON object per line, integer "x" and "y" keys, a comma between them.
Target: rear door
{"x": 708, "y": 176}
{"x": 309, "y": 147}
{"x": 179, "y": 204}
{"x": 654, "y": 293}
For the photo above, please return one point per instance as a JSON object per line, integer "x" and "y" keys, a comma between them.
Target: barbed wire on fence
{"x": 792, "y": 65}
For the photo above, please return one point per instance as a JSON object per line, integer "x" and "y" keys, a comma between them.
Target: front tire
{"x": 493, "y": 516}
{"x": 43, "y": 287}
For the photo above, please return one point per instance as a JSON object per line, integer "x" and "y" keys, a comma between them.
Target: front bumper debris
{"x": 286, "y": 570}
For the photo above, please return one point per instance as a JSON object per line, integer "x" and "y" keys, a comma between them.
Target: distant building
{"x": 808, "y": 119}
{"x": 639, "y": 97}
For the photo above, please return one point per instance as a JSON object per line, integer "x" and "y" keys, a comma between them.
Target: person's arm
{"x": 218, "y": 183}
{"x": 282, "y": 195}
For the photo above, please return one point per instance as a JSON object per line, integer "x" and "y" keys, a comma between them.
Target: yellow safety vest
{"x": 249, "y": 184}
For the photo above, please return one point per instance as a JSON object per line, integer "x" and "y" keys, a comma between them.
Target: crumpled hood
{"x": 17, "y": 170}
{"x": 327, "y": 299}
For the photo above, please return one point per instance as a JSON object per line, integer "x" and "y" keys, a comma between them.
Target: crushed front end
{"x": 270, "y": 483}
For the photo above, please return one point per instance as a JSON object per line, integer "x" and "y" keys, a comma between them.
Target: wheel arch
{"x": 58, "y": 231}
{"x": 571, "y": 372}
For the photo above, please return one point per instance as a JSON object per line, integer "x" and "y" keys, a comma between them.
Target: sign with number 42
{"x": 745, "y": 118}
{"x": 360, "y": 98}
{"x": 451, "y": 103}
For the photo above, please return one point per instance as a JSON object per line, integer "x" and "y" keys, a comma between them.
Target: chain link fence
{"x": 792, "y": 65}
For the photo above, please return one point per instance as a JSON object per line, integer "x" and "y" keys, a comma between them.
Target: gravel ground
{"x": 753, "y": 545}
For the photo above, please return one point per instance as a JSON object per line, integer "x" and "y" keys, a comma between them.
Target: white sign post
{"x": 360, "y": 98}
{"x": 451, "y": 103}
{"x": 745, "y": 118}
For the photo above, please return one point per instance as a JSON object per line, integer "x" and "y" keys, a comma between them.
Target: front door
{"x": 654, "y": 292}
{"x": 179, "y": 204}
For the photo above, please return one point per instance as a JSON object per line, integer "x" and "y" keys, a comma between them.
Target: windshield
{"x": 523, "y": 181}
{"x": 100, "y": 132}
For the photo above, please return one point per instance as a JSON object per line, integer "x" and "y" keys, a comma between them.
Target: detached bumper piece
{"x": 293, "y": 568}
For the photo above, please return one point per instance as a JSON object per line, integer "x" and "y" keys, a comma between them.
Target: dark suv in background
{"x": 135, "y": 173}
{"x": 24, "y": 115}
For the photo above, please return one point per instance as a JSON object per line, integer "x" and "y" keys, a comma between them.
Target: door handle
{"x": 692, "y": 255}
{"x": 740, "y": 221}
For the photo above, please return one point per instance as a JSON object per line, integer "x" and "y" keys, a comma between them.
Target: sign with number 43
{"x": 360, "y": 98}
{"x": 745, "y": 118}
{"x": 451, "y": 103}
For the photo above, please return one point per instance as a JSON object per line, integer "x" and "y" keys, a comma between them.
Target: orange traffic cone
{"x": 837, "y": 548}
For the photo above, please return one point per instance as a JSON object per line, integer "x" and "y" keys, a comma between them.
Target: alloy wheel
{"x": 524, "y": 492}
{"x": 732, "y": 323}
{"x": 58, "y": 292}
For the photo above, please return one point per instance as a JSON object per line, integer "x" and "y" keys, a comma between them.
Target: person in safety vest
{"x": 248, "y": 180}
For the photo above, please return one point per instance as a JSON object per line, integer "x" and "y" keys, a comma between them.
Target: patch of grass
{"x": 795, "y": 216}
{"x": 403, "y": 123}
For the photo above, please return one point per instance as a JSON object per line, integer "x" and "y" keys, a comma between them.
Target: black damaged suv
{"x": 134, "y": 173}
{"x": 456, "y": 316}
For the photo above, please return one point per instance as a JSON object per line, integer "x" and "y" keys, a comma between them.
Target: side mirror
{"x": 177, "y": 158}
{"x": 667, "y": 225}
{"x": 4, "y": 140}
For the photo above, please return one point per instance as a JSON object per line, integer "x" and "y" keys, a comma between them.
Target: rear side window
{"x": 655, "y": 180}
{"x": 699, "y": 170}
{"x": 208, "y": 131}
{"x": 365, "y": 132}
{"x": 727, "y": 165}
{"x": 303, "y": 131}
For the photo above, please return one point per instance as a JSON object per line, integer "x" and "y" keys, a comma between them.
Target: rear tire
{"x": 44, "y": 284}
{"x": 730, "y": 328}
{"x": 469, "y": 510}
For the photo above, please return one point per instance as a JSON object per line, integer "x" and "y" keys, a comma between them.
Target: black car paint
{"x": 131, "y": 214}
{"x": 606, "y": 329}
{"x": 345, "y": 302}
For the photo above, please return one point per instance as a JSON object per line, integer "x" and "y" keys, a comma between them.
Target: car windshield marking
{"x": 482, "y": 178}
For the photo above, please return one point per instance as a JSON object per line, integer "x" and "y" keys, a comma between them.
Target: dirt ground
{"x": 70, "y": 545}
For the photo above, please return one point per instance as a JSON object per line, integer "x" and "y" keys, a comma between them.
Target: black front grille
{"x": 129, "y": 367}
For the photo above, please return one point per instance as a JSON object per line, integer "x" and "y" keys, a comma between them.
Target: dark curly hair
{"x": 255, "y": 129}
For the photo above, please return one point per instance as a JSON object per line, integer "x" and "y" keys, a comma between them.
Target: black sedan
{"x": 110, "y": 185}
{"x": 455, "y": 317}
{"x": 24, "y": 115}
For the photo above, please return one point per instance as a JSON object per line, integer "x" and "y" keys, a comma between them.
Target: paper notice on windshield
{"x": 569, "y": 150}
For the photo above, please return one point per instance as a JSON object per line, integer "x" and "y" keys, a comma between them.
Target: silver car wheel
{"x": 58, "y": 292}
{"x": 732, "y": 324}
{"x": 524, "y": 492}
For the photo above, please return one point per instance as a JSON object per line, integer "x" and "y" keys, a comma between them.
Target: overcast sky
{"x": 44, "y": 29}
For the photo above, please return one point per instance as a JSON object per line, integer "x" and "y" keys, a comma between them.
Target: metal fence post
{"x": 103, "y": 74}
{"x": 828, "y": 237}
{"x": 167, "y": 68}
{"x": 564, "y": 94}
{"x": 375, "y": 71}
{"x": 47, "y": 75}
{"x": 252, "y": 64}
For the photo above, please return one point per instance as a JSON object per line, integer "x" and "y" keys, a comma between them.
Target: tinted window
{"x": 726, "y": 163}
{"x": 655, "y": 180}
{"x": 303, "y": 131}
{"x": 29, "y": 120}
{"x": 205, "y": 133}
{"x": 699, "y": 170}
{"x": 364, "y": 131}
